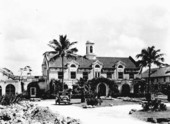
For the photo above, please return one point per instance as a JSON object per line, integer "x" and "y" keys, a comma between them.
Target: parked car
{"x": 63, "y": 97}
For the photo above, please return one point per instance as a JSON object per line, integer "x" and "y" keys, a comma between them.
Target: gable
{"x": 97, "y": 62}
{"x": 120, "y": 63}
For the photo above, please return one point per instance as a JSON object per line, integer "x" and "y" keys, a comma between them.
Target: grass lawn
{"x": 144, "y": 115}
{"x": 106, "y": 102}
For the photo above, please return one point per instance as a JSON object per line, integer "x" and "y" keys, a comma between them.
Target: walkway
{"x": 101, "y": 115}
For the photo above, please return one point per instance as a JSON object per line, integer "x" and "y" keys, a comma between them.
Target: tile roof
{"x": 157, "y": 72}
{"x": 108, "y": 62}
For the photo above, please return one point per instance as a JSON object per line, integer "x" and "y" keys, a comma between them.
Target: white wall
{"x": 16, "y": 84}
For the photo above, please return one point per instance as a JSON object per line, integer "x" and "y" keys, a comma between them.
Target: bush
{"x": 154, "y": 105}
{"x": 10, "y": 99}
{"x": 93, "y": 101}
{"x": 47, "y": 95}
{"x": 115, "y": 95}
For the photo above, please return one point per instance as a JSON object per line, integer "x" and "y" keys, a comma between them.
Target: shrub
{"x": 93, "y": 101}
{"x": 115, "y": 95}
{"x": 163, "y": 107}
{"x": 10, "y": 99}
{"x": 154, "y": 105}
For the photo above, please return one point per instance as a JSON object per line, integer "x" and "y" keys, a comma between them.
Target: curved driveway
{"x": 100, "y": 115}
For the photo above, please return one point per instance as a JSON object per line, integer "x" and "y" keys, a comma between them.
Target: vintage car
{"x": 63, "y": 97}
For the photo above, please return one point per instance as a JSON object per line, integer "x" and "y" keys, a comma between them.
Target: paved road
{"x": 101, "y": 115}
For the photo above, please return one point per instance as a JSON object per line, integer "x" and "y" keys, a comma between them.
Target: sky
{"x": 119, "y": 28}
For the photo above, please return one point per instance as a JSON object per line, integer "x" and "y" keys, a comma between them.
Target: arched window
{"x": 97, "y": 66}
{"x": 0, "y": 91}
{"x": 10, "y": 89}
{"x": 91, "y": 49}
{"x": 120, "y": 66}
{"x": 73, "y": 66}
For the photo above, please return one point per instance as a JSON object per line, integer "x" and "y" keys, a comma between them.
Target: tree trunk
{"x": 62, "y": 73}
{"x": 148, "y": 97}
{"x": 82, "y": 96}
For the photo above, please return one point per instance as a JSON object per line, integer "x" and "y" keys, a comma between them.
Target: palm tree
{"x": 62, "y": 48}
{"x": 148, "y": 57}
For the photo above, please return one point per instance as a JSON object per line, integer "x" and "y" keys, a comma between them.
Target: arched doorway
{"x": 102, "y": 89}
{"x": 10, "y": 89}
{"x": 33, "y": 89}
{"x": 125, "y": 90}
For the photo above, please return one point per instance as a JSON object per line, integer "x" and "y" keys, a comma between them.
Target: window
{"x": 109, "y": 75}
{"x": 157, "y": 80}
{"x": 97, "y": 66}
{"x": 131, "y": 76}
{"x": 120, "y": 75}
{"x": 85, "y": 75}
{"x": 73, "y": 66}
{"x": 91, "y": 49}
{"x": 10, "y": 89}
{"x": 97, "y": 74}
{"x": 60, "y": 75}
{"x": 73, "y": 75}
{"x": 164, "y": 79}
{"x": 120, "y": 66}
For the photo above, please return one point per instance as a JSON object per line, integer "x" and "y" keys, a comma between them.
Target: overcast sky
{"x": 119, "y": 28}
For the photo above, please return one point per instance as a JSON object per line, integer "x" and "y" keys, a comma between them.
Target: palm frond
{"x": 62, "y": 40}
{"x": 72, "y": 56}
{"x": 72, "y": 43}
{"x": 52, "y": 46}
{"x": 73, "y": 50}
{"x": 50, "y": 52}
{"x": 55, "y": 43}
{"x": 159, "y": 55}
{"x": 159, "y": 64}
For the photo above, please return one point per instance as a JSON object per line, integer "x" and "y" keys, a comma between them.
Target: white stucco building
{"x": 8, "y": 84}
{"x": 123, "y": 70}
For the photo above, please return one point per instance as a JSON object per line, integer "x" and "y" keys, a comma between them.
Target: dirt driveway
{"x": 101, "y": 115}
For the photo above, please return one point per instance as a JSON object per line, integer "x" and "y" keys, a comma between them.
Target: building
{"x": 12, "y": 85}
{"x": 123, "y": 70}
{"x": 160, "y": 77}
{"x": 8, "y": 84}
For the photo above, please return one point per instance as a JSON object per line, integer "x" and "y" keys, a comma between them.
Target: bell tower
{"x": 89, "y": 51}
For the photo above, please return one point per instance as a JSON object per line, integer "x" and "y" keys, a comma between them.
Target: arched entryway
{"x": 125, "y": 89}
{"x": 10, "y": 89}
{"x": 102, "y": 89}
{"x": 33, "y": 90}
